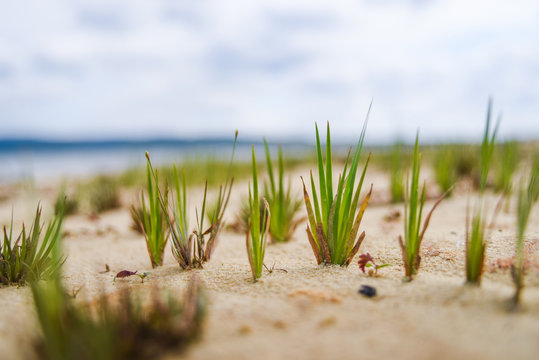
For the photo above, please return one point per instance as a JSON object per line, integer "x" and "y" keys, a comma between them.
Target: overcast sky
{"x": 103, "y": 68}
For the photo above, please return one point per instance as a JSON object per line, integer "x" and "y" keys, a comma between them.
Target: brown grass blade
{"x": 404, "y": 260}
{"x": 427, "y": 219}
{"x": 323, "y": 243}
{"x": 310, "y": 215}
{"x": 359, "y": 217}
{"x": 355, "y": 249}
{"x": 316, "y": 251}
{"x": 249, "y": 252}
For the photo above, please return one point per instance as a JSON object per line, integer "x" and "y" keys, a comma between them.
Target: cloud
{"x": 137, "y": 68}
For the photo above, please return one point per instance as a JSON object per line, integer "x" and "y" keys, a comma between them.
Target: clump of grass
{"x": 152, "y": 219}
{"x": 396, "y": 178}
{"x": 413, "y": 213}
{"x": 258, "y": 226}
{"x": 31, "y": 255}
{"x": 283, "y": 206}
{"x": 101, "y": 194}
{"x": 506, "y": 168}
{"x": 476, "y": 231}
{"x": 334, "y": 220}
{"x": 466, "y": 160}
{"x": 64, "y": 203}
{"x": 445, "y": 170}
{"x": 527, "y": 196}
{"x": 191, "y": 250}
{"x": 115, "y": 327}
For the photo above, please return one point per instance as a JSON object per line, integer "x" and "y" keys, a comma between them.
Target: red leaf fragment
{"x": 364, "y": 259}
{"x": 125, "y": 273}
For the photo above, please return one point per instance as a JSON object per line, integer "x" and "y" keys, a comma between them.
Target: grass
{"x": 283, "y": 206}
{"x": 396, "y": 178}
{"x": 64, "y": 203}
{"x": 527, "y": 196}
{"x": 466, "y": 160}
{"x": 31, "y": 255}
{"x": 506, "y": 168}
{"x": 215, "y": 169}
{"x": 445, "y": 169}
{"x": 152, "y": 219}
{"x": 334, "y": 220}
{"x": 192, "y": 250}
{"x": 413, "y": 213}
{"x": 101, "y": 194}
{"x": 258, "y": 226}
{"x": 119, "y": 326}
{"x": 476, "y": 231}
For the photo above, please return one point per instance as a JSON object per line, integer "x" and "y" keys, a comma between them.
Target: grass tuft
{"x": 152, "y": 219}
{"x": 334, "y": 218}
{"x": 258, "y": 225}
{"x": 283, "y": 206}
{"x": 68, "y": 204}
{"x": 413, "y": 212}
{"x": 31, "y": 256}
{"x": 526, "y": 196}
{"x": 191, "y": 250}
{"x": 101, "y": 194}
{"x": 119, "y": 326}
{"x": 476, "y": 231}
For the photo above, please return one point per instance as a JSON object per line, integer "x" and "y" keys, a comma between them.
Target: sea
{"x": 36, "y": 160}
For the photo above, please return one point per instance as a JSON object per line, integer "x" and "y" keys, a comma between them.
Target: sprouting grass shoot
{"x": 152, "y": 218}
{"x": 258, "y": 226}
{"x": 476, "y": 231}
{"x": 33, "y": 255}
{"x": 413, "y": 213}
{"x": 191, "y": 250}
{"x": 334, "y": 218}
{"x": 283, "y": 205}
{"x": 526, "y": 198}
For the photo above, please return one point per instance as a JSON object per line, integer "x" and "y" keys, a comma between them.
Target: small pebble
{"x": 367, "y": 291}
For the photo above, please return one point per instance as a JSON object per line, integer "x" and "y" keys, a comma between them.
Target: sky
{"x": 134, "y": 69}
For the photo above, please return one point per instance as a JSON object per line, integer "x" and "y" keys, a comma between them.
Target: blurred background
{"x": 122, "y": 76}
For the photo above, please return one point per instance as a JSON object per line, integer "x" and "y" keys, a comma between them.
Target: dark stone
{"x": 367, "y": 291}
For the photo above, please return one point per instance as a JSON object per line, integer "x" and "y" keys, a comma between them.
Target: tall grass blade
{"x": 527, "y": 197}
{"x": 477, "y": 235}
{"x": 283, "y": 206}
{"x": 333, "y": 222}
{"x": 258, "y": 225}
{"x": 152, "y": 217}
{"x": 413, "y": 214}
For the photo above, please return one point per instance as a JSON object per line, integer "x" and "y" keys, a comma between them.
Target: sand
{"x": 311, "y": 311}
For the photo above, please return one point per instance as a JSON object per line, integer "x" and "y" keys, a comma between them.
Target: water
{"x": 39, "y": 164}
{"x": 42, "y": 163}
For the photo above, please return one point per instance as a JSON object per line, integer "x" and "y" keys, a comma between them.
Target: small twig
{"x": 107, "y": 269}
{"x": 273, "y": 268}
{"x": 75, "y": 291}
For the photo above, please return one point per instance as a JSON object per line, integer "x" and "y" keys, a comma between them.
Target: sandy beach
{"x": 302, "y": 310}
